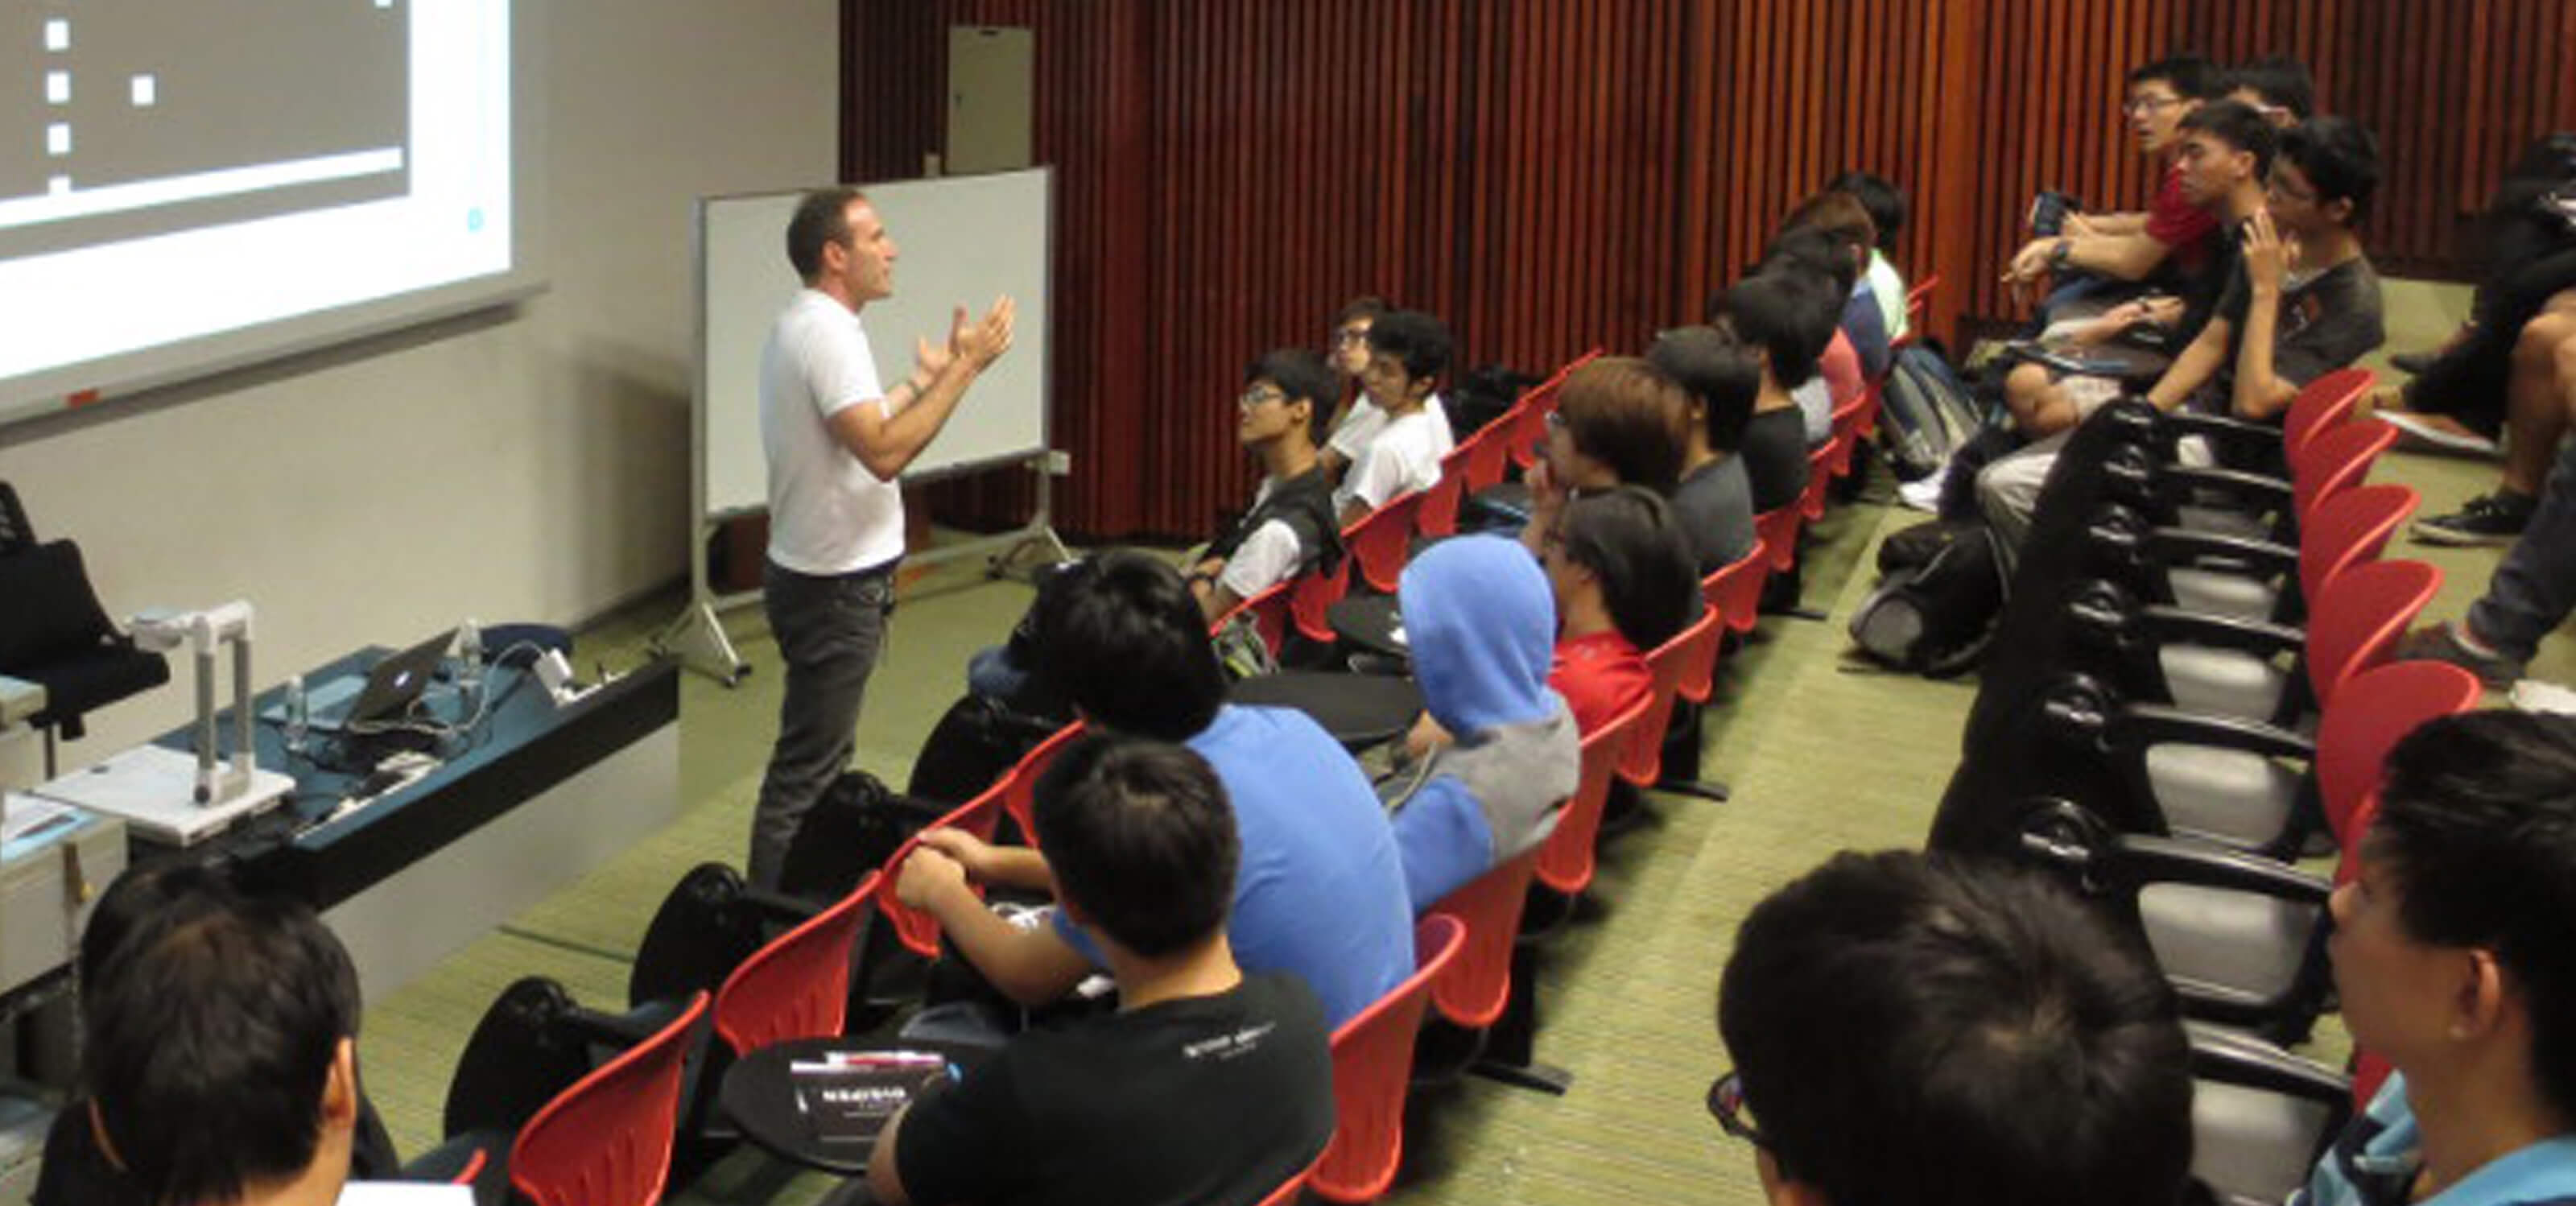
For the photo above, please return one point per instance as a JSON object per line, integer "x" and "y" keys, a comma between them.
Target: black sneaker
{"x": 2496, "y": 518}
{"x": 2438, "y": 643}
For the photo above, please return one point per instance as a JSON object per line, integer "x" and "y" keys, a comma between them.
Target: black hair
{"x": 1885, "y": 202}
{"x": 1627, "y": 536}
{"x": 1416, "y": 338}
{"x": 822, "y": 218}
{"x": 1120, "y": 634}
{"x": 1914, "y": 1032}
{"x": 1776, "y": 313}
{"x": 2239, "y": 126}
{"x": 160, "y": 892}
{"x": 2279, "y": 80}
{"x": 1630, "y": 416}
{"x": 2339, "y": 156}
{"x": 1367, "y": 305}
{"x": 1300, "y": 374}
{"x": 2477, "y": 824}
{"x": 1141, "y": 841}
{"x": 1820, "y": 251}
{"x": 205, "y": 1099}
{"x": 1716, "y": 368}
{"x": 2192, "y": 76}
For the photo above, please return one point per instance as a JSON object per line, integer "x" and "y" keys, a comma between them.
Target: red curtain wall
{"x": 1549, "y": 175}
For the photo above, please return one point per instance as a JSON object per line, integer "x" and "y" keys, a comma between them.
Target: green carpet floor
{"x": 1823, "y": 753}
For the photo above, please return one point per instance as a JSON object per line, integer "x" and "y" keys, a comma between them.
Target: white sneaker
{"x": 1923, "y": 494}
{"x": 2533, "y": 695}
{"x": 2414, "y": 433}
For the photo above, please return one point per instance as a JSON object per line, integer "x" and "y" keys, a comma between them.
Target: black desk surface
{"x": 759, "y": 1095}
{"x": 1370, "y": 622}
{"x": 522, "y": 747}
{"x": 1359, "y": 710}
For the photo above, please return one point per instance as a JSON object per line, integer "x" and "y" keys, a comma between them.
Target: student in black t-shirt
{"x": 1771, "y": 313}
{"x": 1207, "y": 1086}
{"x": 1714, "y": 501}
{"x": 1290, "y": 524}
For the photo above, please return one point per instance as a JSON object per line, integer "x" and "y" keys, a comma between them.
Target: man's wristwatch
{"x": 2057, "y": 254}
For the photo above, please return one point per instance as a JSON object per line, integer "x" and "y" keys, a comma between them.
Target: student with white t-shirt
{"x": 835, "y": 441}
{"x": 1408, "y": 350}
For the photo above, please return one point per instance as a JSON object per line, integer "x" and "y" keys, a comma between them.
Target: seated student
{"x": 1401, "y": 451}
{"x": 1910, "y": 1031}
{"x": 1618, "y": 420}
{"x": 1621, "y": 572}
{"x": 1291, "y": 524}
{"x": 1497, "y": 751}
{"x": 1825, "y": 270}
{"x": 1320, "y": 893}
{"x": 1208, "y": 1085}
{"x": 1714, "y": 503}
{"x": 2451, "y": 957}
{"x": 2171, "y": 241}
{"x": 152, "y": 898}
{"x": 1846, "y": 223}
{"x": 2276, "y": 86}
{"x": 220, "y": 1054}
{"x": 1770, "y": 314}
{"x": 2304, "y": 301}
{"x": 1887, "y": 211}
{"x": 1354, "y": 416}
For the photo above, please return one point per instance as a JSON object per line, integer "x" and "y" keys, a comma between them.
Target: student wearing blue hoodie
{"x": 1481, "y": 623}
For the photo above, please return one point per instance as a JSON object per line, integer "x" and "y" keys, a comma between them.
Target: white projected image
{"x": 171, "y": 175}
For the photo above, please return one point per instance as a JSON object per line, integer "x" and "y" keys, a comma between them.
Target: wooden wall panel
{"x": 1553, "y": 174}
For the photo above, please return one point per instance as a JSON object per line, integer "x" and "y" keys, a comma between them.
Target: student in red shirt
{"x": 1625, "y": 583}
{"x": 2171, "y": 241}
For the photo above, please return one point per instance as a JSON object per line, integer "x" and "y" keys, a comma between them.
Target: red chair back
{"x": 1778, "y": 529}
{"x": 1293, "y": 1189}
{"x": 917, "y": 930}
{"x": 1314, "y": 593}
{"x": 1487, "y": 453}
{"x": 1373, "y": 1065}
{"x": 1690, "y": 652}
{"x": 1527, "y": 421}
{"x": 798, "y": 986}
{"x": 1820, "y": 474}
{"x": 2367, "y": 720}
{"x": 1269, "y": 612}
{"x": 1694, "y": 671}
{"x": 2359, "y": 618}
{"x": 2351, "y": 528}
{"x": 1736, "y": 590}
{"x": 1566, "y": 859}
{"x": 1020, "y": 787}
{"x": 2337, "y": 460}
{"x": 1380, "y": 539}
{"x": 1479, "y": 984}
{"x": 606, "y": 1141}
{"x": 1440, "y": 503}
{"x": 2320, "y": 405}
{"x": 1846, "y": 429}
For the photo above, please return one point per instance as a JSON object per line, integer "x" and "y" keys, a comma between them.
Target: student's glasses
{"x": 1257, "y": 395}
{"x": 2139, "y": 105}
{"x": 1726, "y": 1104}
{"x": 1350, "y": 337}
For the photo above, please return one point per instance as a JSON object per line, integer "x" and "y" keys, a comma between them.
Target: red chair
{"x": 2353, "y": 741}
{"x": 1380, "y": 540}
{"x": 1294, "y": 1188}
{"x": 2337, "y": 460}
{"x": 1820, "y": 474}
{"x": 2348, "y": 530}
{"x": 1567, "y": 859}
{"x": 1681, "y": 666}
{"x": 1479, "y": 984}
{"x": 798, "y": 986}
{"x": 1269, "y": 611}
{"x": 1847, "y": 430}
{"x": 917, "y": 930}
{"x": 606, "y": 1141}
{"x": 1527, "y": 420}
{"x": 2321, "y": 405}
{"x": 2358, "y": 621}
{"x": 1440, "y": 503}
{"x": 1778, "y": 530}
{"x": 1488, "y": 453}
{"x": 1372, "y": 1067}
{"x": 1736, "y": 590}
{"x": 1313, "y": 594}
{"x": 1020, "y": 787}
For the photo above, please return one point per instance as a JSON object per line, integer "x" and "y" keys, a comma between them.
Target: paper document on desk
{"x": 25, "y": 815}
{"x": 404, "y": 1193}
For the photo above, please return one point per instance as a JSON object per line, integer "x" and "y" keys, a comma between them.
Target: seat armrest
{"x": 2141, "y": 725}
{"x": 2177, "y": 483}
{"x": 2163, "y": 860}
{"x": 2241, "y": 434}
{"x": 2174, "y": 546}
{"x": 2161, "y": 625}
{"x": 2242, "y": 1059}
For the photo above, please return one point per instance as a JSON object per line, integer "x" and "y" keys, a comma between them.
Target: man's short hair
{"x": 1417, "y": 339}
{"x": 822, "y": 218}
{"x": 1120, "y": 634}
{"x": 203, "y": 1100}
{"x": 1885, "y": 202}
{"x": 1840, "y": 215}
{"x": 2477, "y": 826}
{"x": 2239, "y": 126}
{"x": 1627, "y": 414}
{"x": 1367, "y": 305}
{"x": 1299, "y": 373}
{"x": 2191, "y": 76}
{"x": 1776, "y": 313}
{"x": 1141, "y": 841}
{"x": 1809, "y": 249}
{"x": 1628, "y": 537}
{"x": 1913, "y": 1032}
{"x": 2279, "y": 80}
{"x": 1720, "y": 371}
{"x": 2339, "y": 157}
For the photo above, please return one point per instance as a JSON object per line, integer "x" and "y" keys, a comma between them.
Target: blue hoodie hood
{"x": 1481, "y": 623}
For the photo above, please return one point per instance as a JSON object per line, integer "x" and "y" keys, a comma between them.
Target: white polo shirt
{"x": 827, "y": 514}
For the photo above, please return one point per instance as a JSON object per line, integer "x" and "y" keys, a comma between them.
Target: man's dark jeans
{"x": 2534, "y": 587}
{"x": 829, "y": 632}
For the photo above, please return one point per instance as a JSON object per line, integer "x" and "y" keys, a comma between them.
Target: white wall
{"x": 524, "y": 465}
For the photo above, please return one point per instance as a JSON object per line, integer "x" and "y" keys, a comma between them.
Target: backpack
{"x": 1940, "y": 592}
{"x": 1928, "y": 412}
{"x": 1477, "y": 398}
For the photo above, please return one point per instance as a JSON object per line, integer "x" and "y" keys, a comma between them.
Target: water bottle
{"x": 299, "y": 716}
{"x": 469, "y": 665}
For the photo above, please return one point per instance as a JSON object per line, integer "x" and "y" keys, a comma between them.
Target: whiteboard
{"x": 959, "y": 241}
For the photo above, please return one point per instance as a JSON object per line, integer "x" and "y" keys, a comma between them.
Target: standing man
{"x": 835, "y": 441}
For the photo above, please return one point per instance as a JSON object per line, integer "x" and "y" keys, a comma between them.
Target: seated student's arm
{"x": 2127, "y": 257}
{"x": 1547, "y": 503}
{"x": 2106, "y": 224}
{"x": 1032, "y": 967}
{"x": 1015, "y": 867}
{"x": 2261, "y": 393}
{"x": 887, "y": 436}
{"x": 1266, "y": 558}
{"x": 2192, "y": 368}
